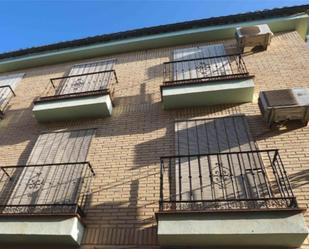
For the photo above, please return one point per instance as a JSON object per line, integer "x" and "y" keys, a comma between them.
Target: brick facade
{"x": 126, "y": 148}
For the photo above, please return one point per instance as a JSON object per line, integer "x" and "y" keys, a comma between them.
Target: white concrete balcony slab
{"x": 284, "y": 229}
{"x": 41, "y": 231}
{"x": 77, "y": 107}
{"x": 208, "y": 93}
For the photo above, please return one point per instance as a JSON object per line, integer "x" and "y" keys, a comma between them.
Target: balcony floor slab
{"x": 269, "y": 228}
{"x": 97, "y": 106}
{"x": 207, "y": 93}
{"x": 41, "y": 231}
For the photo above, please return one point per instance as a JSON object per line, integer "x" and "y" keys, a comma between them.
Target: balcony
{"x": 6, "y": 92}
{"x": 43, "y": 204}
{"x": 79, "y": 96}
{"x": 235, "y": 199}
{"x": 206, "y": 81}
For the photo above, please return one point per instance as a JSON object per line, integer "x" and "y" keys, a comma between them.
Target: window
{"x": 54, "y": 178}
{"x": 87, "y": 77}
{"x": 217, "y": 165}
{"x": 200, "y": 62}
{"x": 8, "y": 84}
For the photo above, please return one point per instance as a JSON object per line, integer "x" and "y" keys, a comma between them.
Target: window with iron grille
{"x": 55, "y": 178}
{"x": 87, "y": 79}
{"x": 8, "y": 84}
{"x": 203, "y": 63}
{"x": 218, "y": 166}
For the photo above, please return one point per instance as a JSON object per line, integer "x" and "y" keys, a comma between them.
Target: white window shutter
{"x": 11, "y": 80}
{"x": 87, "y": 83}
{"x": 200, "y": 68}
{"x": 61, "y": 147}
{"x": 210, "y": 136}
{"x": 63, "y": 181}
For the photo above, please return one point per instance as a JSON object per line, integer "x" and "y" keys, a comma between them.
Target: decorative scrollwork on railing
{"x": 208, "y": 69}
{"x": 36, "y": 182}
{"x": 221, "y": 175}
{"x": 225, "y": 181}
{"x": 45, "y": 189}
{"x": 39, "y": 209}
{"x": 204, "y": 69}
{"x": 261, "y": 204}
{"x": 77, "y": 84}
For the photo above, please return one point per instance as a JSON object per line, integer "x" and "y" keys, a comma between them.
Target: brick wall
{"x": 126, "y": 148}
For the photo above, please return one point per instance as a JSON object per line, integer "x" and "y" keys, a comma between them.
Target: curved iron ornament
{"x": 233, "y": 185}
{"x": 202, "y": 205}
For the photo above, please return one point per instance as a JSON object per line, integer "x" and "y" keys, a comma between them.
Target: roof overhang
{"x": 298, "y": 22}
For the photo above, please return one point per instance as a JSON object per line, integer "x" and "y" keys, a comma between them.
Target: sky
{"x": 29, "y": 23}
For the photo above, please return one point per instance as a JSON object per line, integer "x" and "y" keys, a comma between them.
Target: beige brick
{"x": 126, "y": 149}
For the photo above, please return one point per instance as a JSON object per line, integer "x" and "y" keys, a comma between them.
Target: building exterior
{"x": 154, "y": 138}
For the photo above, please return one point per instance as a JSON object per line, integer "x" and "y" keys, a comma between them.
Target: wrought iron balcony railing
{"x": 6, "y": 92}
{"x": 248, "y": 180}
{"x": 204, "y": 69}
{"x": 87, "y": 84}
{"x": 45, "y": 189}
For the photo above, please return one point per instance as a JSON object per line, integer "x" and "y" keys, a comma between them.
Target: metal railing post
{"x": 207, "y": 69}
{"x": 221, "y": 169}
{"x": 59, "y": 189}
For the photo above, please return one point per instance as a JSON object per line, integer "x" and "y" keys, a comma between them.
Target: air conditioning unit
{"x": 282, "y": 105}
{"x": 258, "y": 36}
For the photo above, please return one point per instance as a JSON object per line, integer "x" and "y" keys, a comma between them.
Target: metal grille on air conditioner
{"x": 282, "y": 105}
{"x": 253, "y": 37}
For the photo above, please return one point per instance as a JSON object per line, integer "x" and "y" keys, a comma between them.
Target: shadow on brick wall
{"x": 17, "y": 126}
{"x": 8, "y": 189}
{"x": 149, "y": 152}
{"x": 261, "y": 131}
{"x": 142, "y": 98}
{"x": 122, "y": 225}
{"x": 155, "y": 71}
{"x": 300, "y": 179}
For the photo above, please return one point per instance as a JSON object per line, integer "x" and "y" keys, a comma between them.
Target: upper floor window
{"x": 217, "y": 165}
{"x": 203, "y": 63}
{"x": 87, "y": 77}
{"x": 55, "y": 178}
{"x": 8, "y": 84}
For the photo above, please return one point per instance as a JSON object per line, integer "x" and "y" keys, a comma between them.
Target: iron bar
{"x": 286, "y": 176}
{"x": 83, "y": 74}
{"x": 161, "y": 183}
{"x": 45, "y": 189}
{"x": 197, "y": 70}
{"x": 5, "y": 97}
{"x": 5, "y": 172}
{"x": 236, "y": 180}
{"x": 242, "y": 175}
{"x": 202, "y": 58}
{"x": 221, "y": 153}
{"x": 180, "y": 178}
{"x": 9, "y": 87}
{"x": 91, "y": 83}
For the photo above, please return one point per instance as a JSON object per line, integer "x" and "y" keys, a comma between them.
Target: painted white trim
{"x": 150, "y": 37}
{"x": 96, "y": 61}
{"x": 57, "y": 56}
{"x": 210, "y": 87}
{"x": 35, "y": 230}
